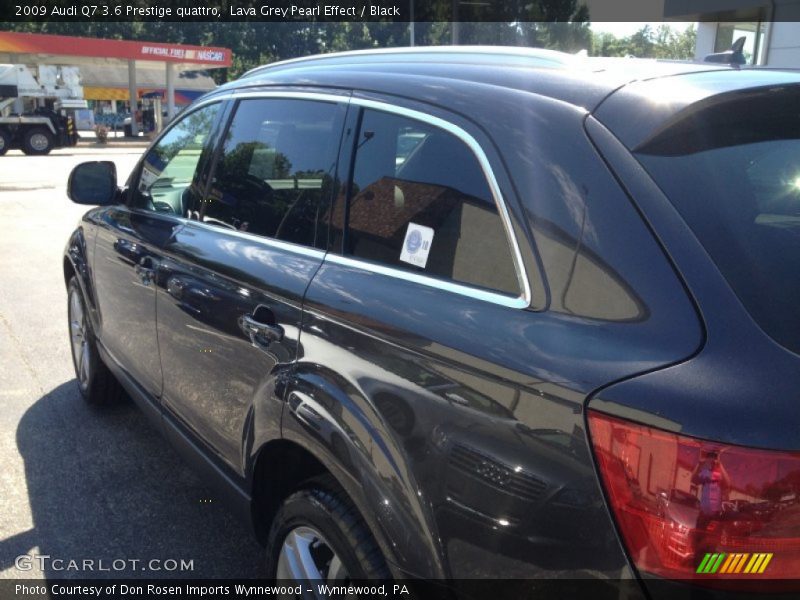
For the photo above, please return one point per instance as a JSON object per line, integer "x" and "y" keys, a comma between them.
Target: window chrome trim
{"x": 441, "y": 284}
{"x": 321, "y": 96}
{"x": 521, "y": 301}
{"x": 260, "y": 239}
{"x": 494, "y": 187}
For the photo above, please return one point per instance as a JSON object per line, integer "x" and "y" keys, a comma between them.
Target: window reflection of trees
{"x": 265, "y": 196}
{"x": 271, "y": 179}
{"x": 189, "y": 134}
{"x": 169, "y": 167}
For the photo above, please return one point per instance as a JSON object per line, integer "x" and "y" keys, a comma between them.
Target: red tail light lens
{"x": 695, "y": 509}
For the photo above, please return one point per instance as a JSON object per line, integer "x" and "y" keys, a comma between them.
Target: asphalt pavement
{"x": 79, "y": 483}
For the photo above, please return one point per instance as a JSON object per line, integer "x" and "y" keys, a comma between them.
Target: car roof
{"x": 585, "y": 82}
{"x": 489, "y": 57}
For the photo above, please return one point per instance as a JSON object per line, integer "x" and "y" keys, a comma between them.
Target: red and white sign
{"x": 36, "y": 43}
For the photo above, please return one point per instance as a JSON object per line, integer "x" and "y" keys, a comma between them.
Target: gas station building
{"x": 109, "y": 61}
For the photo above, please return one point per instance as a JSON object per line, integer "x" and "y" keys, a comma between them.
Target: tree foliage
{"x": 661, "y": 42}
{"x": 555, "y": 24}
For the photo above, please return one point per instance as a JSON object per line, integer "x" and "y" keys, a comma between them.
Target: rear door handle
{"x": 145, "y": 269}
{"x": 260, "y": 334}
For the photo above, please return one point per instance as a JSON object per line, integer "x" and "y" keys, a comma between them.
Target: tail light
{"x": 695, "y": 509}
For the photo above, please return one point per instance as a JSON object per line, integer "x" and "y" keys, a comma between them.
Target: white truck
{"x": 33, "y": 106}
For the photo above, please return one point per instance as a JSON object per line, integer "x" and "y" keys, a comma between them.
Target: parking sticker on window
{"x": 417, "y": 245}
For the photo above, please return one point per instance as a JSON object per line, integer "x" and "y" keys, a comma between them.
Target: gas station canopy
{"x": 111, "y": 83}
{"x": 36, "y": 48}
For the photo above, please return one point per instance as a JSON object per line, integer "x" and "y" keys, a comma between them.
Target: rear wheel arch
{"x": 281, "y": 469}
{"x": 346, "y": 432}
{"x": 319, "y": 533}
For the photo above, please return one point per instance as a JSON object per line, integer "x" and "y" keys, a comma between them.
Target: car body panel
{"x": 457, "y": 425}
{"x": 76, "y": 260}
{"x": 643, "y": 108}
{"x": 410, "y": 390}
{"x": 729, "y": 387}
{"x": 127, "y": 241}
{"x": 208, "y": 281}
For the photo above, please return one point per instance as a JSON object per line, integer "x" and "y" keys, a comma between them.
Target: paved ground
{"x": 75, "y": 482}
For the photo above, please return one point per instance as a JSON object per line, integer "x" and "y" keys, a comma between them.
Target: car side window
{"x": 420, "y": 201}
{"x": 275, "y": 174}
{"x": 168, "y": 179}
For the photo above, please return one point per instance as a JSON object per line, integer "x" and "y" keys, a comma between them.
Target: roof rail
{"x": 734, "y": 56}
{"x": 546, "y": 57}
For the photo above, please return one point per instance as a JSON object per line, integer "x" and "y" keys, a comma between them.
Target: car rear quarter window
{"x": 732, "y": 169}
{"x": 274, "y": 176}
{"x": 420, "y": 201}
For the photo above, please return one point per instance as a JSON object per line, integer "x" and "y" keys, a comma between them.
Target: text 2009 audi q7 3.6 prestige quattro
{"x": 453, "y": 314}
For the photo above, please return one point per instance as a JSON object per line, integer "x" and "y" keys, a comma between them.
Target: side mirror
{"x": 93, "y": 183}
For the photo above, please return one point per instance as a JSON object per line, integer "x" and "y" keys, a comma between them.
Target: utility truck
{"x": 33, "y": 107}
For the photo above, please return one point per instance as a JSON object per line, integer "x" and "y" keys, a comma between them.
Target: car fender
{"x": 338, "y": 425}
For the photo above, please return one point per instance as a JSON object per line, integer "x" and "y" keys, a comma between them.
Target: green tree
{"x": 662, "y": 42}
{"x": 556, "y": 24}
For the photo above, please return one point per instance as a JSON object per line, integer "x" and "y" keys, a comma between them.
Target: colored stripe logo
{"x": 753, "y": 564}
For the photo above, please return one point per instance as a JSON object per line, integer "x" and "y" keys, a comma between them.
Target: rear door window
{"x": 275, "y": 174}
{"x": 420, "y": 202}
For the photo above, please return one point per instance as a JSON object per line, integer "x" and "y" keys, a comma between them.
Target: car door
{"x": 406, "y": 330}
{"x": 131, "y": 238}
{"x": 416, "y": 377}
{"x": 232, "y": 281}
{"x": 447, "y": 403}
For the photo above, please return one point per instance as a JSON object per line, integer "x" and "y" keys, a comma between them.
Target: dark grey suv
{"x": 469, "y": 313}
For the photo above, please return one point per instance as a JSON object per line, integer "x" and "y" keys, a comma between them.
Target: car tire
{"x": 5, "y": 141}
{"x": 321, "y": 518}
{"x": 37, "y": 141}
{"x": 95, "y": 381}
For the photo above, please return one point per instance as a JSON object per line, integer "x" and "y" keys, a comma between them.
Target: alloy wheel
{"x": 81, "y": 356}
{"x": 306, "y": 555}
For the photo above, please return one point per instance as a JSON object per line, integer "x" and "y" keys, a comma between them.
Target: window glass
{"x": 732, "y": 169}
{"x": 275, "y": 175}
{"x": 167, "y": 180}
{"x": 753, "y": 33}
{"x": 420, "y": 201}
